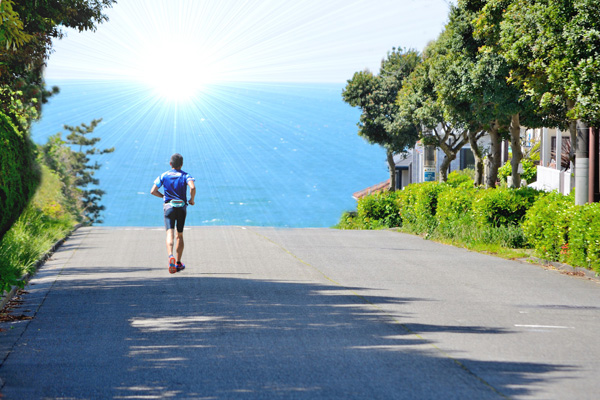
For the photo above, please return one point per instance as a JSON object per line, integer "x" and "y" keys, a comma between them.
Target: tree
{"x": 420, "y": 104}
{"x": 27, "y": 28}
{"x": 26, "y": 35}
{"x": 472, "y": 79}
{"x": 488, "y": 22}
{"x": 74, "y": 167}
{"x": 375, "y": 95}
{"x": 11, "y": 27}
{"x": 555, "y": 45}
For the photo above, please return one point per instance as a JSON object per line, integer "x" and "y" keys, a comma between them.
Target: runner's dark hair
{"x": 176, "y": 161}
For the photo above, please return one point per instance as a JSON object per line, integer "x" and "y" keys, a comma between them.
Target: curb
{"x": 560, "y": 267}
{"x": 566, "y": 268}
{"x": 6, "y": 297}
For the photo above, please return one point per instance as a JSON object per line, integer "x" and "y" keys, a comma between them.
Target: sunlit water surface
{"x": 284, "y": 155}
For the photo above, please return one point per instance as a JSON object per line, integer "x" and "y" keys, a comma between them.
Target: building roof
{"x": 380, "y": 187}
{"x": 403, "y": 159}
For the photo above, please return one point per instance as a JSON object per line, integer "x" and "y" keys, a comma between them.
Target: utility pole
{"x": 594, "y": 174}
{"x": 582, "y": 164}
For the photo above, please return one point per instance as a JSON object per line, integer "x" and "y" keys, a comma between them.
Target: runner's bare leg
{"x": 170, "y": 234}
{"x": 179, "y": 246}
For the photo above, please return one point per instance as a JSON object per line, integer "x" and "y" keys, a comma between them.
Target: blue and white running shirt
{"x": 175, "y": 183}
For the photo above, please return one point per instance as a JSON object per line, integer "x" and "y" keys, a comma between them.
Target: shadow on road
{"x": 234, "y": 337}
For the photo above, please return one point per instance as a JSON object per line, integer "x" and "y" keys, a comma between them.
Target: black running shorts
{"x": 175, "y": 217}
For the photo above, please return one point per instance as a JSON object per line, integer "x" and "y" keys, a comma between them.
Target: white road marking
{"x": 545, "y": 326}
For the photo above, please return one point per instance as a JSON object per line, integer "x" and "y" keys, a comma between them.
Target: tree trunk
{"x": 517, "y": 154}
{"x": 478, "y": 158}
{"x": 494, "y": 156}
{"x": 448, "y": 158}
{"x": 392, "y": 168}
{"x": 582, "y": 183}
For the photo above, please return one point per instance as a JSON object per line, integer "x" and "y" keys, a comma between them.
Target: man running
{"x": 175, "y": 182}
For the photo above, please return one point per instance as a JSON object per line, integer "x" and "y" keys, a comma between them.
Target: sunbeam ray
{"x": 248, "y": 91}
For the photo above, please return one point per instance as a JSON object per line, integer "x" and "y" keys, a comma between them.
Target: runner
{"x": 175, "y": 182}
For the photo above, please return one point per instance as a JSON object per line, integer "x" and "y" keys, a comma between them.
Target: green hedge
{"x": 379, "y": 210}
{"x": 549, "y": 223}
{"x": 454, "y": 205}
{"x": 502, "y": 206}
{"x": 546, "y": 225}
{"x": 19, "y": 173}
{"x": 559, "y": 230}
{"x": 45, "y": 220}
{"x": 583, "y": 247}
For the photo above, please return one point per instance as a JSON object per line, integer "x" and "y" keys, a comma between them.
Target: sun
{"x": 176, "y": 69}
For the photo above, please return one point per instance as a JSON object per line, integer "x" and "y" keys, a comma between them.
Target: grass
{"x": 44, "y": 222}
{"x": 504, "y": 242}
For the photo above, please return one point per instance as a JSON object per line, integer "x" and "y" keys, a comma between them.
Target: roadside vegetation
{"x": 513, "y": 223}
{"x": 61, "y": 201}
{"x": 43, "y": 189}
{"x": 496, "y": 67}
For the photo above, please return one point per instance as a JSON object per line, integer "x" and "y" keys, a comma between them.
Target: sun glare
{"x": 176, "y": 69}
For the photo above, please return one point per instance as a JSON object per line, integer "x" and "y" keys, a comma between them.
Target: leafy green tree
{"x": 71, "y": 160}
{"x": 11, "y": 27}
{"x": 469, "y": 84}
{"x": 471, "y": 79}
{"x": 420, "y": 104}
{"x": 375, "y": 95}
{"x": 26, "y": 35}
{"x": 555, "y": 47}
{"x": 27, "y": 29}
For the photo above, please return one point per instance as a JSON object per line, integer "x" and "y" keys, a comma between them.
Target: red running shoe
{"x": 172, "y": 265}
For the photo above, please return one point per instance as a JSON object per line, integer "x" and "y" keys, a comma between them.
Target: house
{"x": 463, "y": 160}
{"x": 410, "y": 169}
{"x": 555, "y": 171}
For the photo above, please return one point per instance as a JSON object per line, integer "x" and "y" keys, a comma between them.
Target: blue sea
{"x": 283, "y": 155}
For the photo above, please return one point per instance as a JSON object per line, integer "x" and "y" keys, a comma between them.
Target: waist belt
{"x": 177, "y": 203}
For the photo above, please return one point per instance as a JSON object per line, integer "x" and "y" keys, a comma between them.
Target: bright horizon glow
{"x": 247, "y": 90}
{"x": 178, "y": 46}
{"x": 174, "y": 70}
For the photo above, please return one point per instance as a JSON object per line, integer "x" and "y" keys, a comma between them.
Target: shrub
{"x": 529, "y": 171}
{"x": 407, "y": 200}
{"x": 349, "y": 220}
{"x": 453, "y": 204}
{"x": 584, "y": 237}
{"x": 502, "y": 206}
{"x": 427, "y": 198}
{"x": 379, "y": 210}
{"x": 462, "y": 178}
{"x": 593, "y": 237}
{"x": 19, "y": 175}
{"x": 418, "y": 205}
{"x": 546, "y": 224}
{"x": 42, "y": 223}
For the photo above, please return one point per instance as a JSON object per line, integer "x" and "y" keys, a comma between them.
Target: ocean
{"x": 262, "y": 154}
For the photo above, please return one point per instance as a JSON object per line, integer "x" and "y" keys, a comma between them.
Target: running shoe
{"x": 172, "y": 265}
{"x": 180, "y": 266}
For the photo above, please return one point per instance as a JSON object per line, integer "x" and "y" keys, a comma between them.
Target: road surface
{"x": 297, "y": 313}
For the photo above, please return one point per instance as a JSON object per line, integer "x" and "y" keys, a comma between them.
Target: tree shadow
{"x": 231, "y": 337}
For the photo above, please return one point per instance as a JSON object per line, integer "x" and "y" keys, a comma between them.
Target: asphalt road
{"x": 297, "y": 313}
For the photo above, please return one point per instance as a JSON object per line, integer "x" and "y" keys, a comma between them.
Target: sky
{"x": 194, "y": 42}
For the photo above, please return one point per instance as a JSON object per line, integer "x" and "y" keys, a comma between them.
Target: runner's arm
{"x": 192, "y": 186}
{"x": 154, "y": 191}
